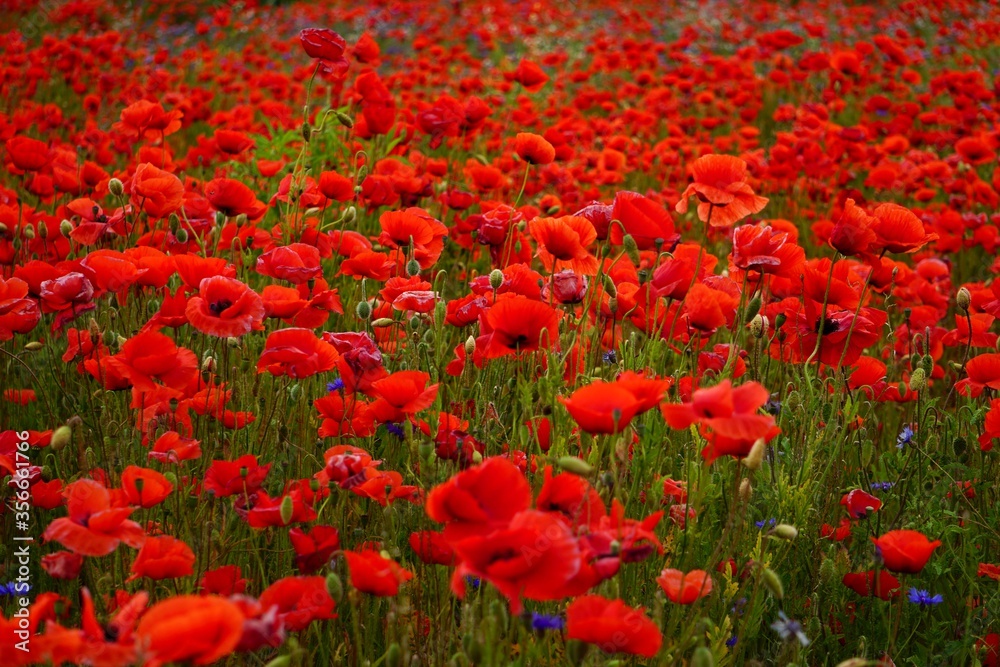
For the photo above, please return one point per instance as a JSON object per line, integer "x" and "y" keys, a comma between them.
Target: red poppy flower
{"x": 225, "y": 307}
{"x": 612, "y": 626}
{"x": 232, "y": 142}
{"x": 983, "y": 372}
{"x": 572, "y": 497}
{"x": 401, "y": 394}
{"x": 62, "y": 564}
{"x": 66, "y": 292}
{"x": 515, "y": 325}
{"x": 163, "y": 557}
{"x": 28, "y": 154}
{"x": 18, "y": 312}
{"x": 226, "y": 581}
{"x": 155, "y": 191}
{"x": 432, "y": 548}
{"x": 374, "y": 574}
{"x": 327, "y": 47}
{"x": 905, "y": 550}
{"x": 720, "y": 183}
{"x": 602, "y": 407}
{"x": 232, "y": 198}
{"x": 533, "y": 557}
{"x": 863, "y": 583}
{"x": 314, "y": 548}
{"x": 300, "y": 601}
{"x": 198, "y": 628}
{"x": 685, "y": 588}
{"x": 242, "y": 476}
{"x": 297, "y": 353}
{"x": 150, "y": 356}
{"x": 563, "y": 243}
{"x": 172, "y": 447}
{"x": 728, "y": 417}
{"x": 145, "y": 119}
{"x": 649, "y": 224}
{"x": 860, "y": 504}
{"x": 479, "y": 499}
{"x": 144, "y": 487}
{"x": 852, "y": 234}
{"x": 533, "y": 149}
{"x": 93, "y": 527}
{"x": 530, "y": 75}
{"x": 897, "y": 229}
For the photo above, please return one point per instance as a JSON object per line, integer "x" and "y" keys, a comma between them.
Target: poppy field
{"x": 495, "y": 333}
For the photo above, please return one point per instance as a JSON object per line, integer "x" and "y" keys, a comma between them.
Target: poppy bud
{"x": 752, "y": 309}
{"x": 415, "y": 322}
{"x": 613, "y": 305}
{"x": 28, "y": 232}
{"x": 286, "y": 510}
{"x": 779, "y": 320}
{"x": 363, "y": 310}
{"x": 208, "y": 365}
{"x": 756, "y": 455}
{"x": 758, "y": 326}
{"x": 170, "y": 477}
{"x": 181, "y": 235}
{"x": 61, "y": 437}
{"x": 918, "y": 380}
{"x": 413, "y": 268}
{"x": 382, "y": 321}
{"x": 746, "y": 491}
{"x": 631, "y": 249}
{"x": 33, "y": 346}
{"x": 963, "y": 299}
{"x": 334, "y": 587}
{"x": 575, "y": 465}
{"x": 785, "y": 531}
{"x": 116, "y": 187}
{"x": 702, "y": 657}
{"x": 828, "y": 571}
{"x": 306, "y": 132}
{"x": 496, "y": 278}
{"x": 793, "y": 400}
{"x": 609, "y": 285}
{"x": 959, "y": 446}
{"x": 394, "y": 656}
{"x": 773, "y": 583}
{"x": 344, "y": 119}
{"x": 642, "y": 275}
{"x": 470, "y": 344}
{"x": 65, "y": 227}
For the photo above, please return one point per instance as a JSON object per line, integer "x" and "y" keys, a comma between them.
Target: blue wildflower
{"x": 542, "y": 622}
{"x": 610, "y": 357}
{"x": 881, "y": 486}
{"x": 336, "y": 385}
{"x": 765, "y": 522}
{"x": 11, "y": 588}
{"x": 395, "y": 429}
{"x": 905, "y": 437}
{"x": 788, "y": 629}
{"x": 924, "y": 598}
{"x": 731, "y": 642}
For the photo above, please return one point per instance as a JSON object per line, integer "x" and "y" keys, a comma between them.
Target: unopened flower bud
{"x": 753, "y": 308}
{"x": 350, "y": 215}
{"x": 773, "y": 583}
{"x": 756, "y": 455}
{"x": 287, "y": 509}
{"x": 28, "y": 232}
{"x": 61, "y": 437}
{"x": 470, "y": 345}
{"x": 609, "y": 285}
{"x": 918, "y": 380}
{"x": 65, "y": 227}
{"x": 746, "y": 491}
{"x": 116, "y": 187}
{"x": 758, "y": 326}
{"x": 963, "y": 299}
{"x": 828, "y": 571}
{"x": 575, "y": 465}
{"x": 383, "y": 322}
{"x": 363, "y": 310}
{"x": 306, "y": 132}
{"x": 181, "y": 235}
{"x": 334, "y": 587}
{"x": 344, "y": 119}
{"x": 33, "y": 346}
{"x": 496, "y": 279}
{"x": 785, "y": 531}
{"x": 631, "y": 249}
{"x": 413, "y": 268}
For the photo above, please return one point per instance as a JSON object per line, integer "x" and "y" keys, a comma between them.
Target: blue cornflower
{"x": 788, "y": 629}
{"x": 336, "y": 385}
{"x": 924, "y": 598}
{"x": 738, "y": 606}
{"x": 765, "y": 522}
{"x": 395, "y": 429}
{"x": 11, "y": 588}
{"x": 731, "y": 642}
{"x": 881, "y": 486}
{"x": 473, "y": 582}
{"x": 610, "y": 357}
{"x": 905, "y": 437}
{"x": 541, "y": 622}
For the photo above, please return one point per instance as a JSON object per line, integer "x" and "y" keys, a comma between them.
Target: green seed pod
{"x": 631, "y": 249}
{"x": 33, "y": 346}
{"x": 575, "y": 465}
{"x": 773, "y": 583}
{"x": 753, "y": 308}
{"x": 702, "y": 657}
{"x": 363, "y": 310}
{"x": 116, "y": 187}
{"x": 334, "y": 587}
{"x": 496, "y": 279}
{"x": 286, "y": 510}
{"x": 61, "y": 437}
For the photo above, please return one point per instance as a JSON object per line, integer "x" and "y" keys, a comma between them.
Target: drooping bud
{"x": 773, "y": 583}
{"x": 631, "y": 249}
{"x": 61, "y": 437}
{"x": 350, "y": 214}
{"x": 609, "y": 285}
{"x": 382, "y": 322}
{"x": 34, "y": 346}
{"x": 181, "y": 235}
{"x": 753, "y": 308}
{"x": 785, "y": 531}
{"x": 344, "y": 119}
{"x": 116, "y": 187}
{"x": 963, "y": 299}
{"x": 307, "y": 132}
